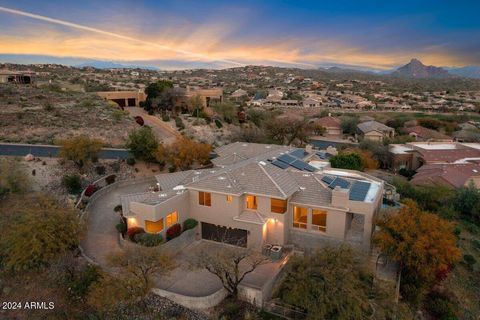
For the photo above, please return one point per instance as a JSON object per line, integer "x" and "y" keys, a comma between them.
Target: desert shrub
{"x": 166, "y": 117}
{"x": 80, "y": 284}
{"x": 90, "y": 190}
{"x": 469, "y": 261}
{"x": 218, "y": 123}
{"x": 476, "y": 243}
{"x": 440, "y": 306}
{"x": 121, "y": 226}
{"x": 174, "y": 231}
{"x": 133, "y": 231}
{"x": 139, "y": 120}
{"x": 179, "y": 123}
{"x": 172, "y": 169}
{"x": 115, "y": 166}
{"x": 189, "y": 224}
{"x": 149, "y": 239}
{"x": 100, "y": 170}
{"x": 72, "y": 183}
{"x": 130, "y": 161}
{"x": 110, "y": 179}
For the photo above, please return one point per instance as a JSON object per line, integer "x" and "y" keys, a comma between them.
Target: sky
{"x": 220, "y": 34}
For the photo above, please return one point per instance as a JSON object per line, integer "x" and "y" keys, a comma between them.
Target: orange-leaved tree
{"x": 422, "y": 243}
{"x": 184, "y": 152}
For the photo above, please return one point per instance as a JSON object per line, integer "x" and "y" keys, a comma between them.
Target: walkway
{"x": 101, "y": 237}
{"x": 39, "y": 150}
{"x": 163, "y": 131}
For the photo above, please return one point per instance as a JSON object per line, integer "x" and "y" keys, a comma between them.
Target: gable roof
{"x": 369, "y": 126}
{"x": 329, "y": 122}
{"x": 425, "y": 133}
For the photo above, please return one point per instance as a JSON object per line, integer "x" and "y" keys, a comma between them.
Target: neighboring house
{"x": 414, "y": 155}
{"x": 424, "y": 134}
{"x": 267, "y": 196}
{"x": 311, "y": 102}
{"x": 22, "y": 77}
{"x": 374, "y": 130}
{"x": 239, "y": 94}
{"x": 452, "y": 175}
{"x": 331, "y": 124}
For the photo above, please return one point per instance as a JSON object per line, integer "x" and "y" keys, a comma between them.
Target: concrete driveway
{"x": 101, "y": 237}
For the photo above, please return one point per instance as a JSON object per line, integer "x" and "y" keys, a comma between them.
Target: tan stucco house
{"x": 375, "y": 131}
{"x": 262, "y": 194}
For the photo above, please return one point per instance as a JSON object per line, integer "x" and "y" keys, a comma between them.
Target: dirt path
{"x": 163, "y": 131}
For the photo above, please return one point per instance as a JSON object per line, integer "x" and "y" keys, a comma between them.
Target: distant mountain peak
{"x": 416, "y": 69}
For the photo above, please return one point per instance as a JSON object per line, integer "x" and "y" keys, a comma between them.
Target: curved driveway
{"x": 101, "y": 237}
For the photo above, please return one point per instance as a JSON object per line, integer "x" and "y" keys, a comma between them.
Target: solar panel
{"x": 359, "y": 191}
{"x": 286, "y": 158}
{"x": 339, "y": 182}
{"x": 298, "y": 164}
{"x": 280, "y": 164}
{"x": 328, "y": 179}
{"x": 310, "y": 168}
{"x": 299, "y": 153}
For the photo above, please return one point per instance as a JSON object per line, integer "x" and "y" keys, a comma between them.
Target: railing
{"x": 300, "y": 225}
{"x": 284, "y": 310}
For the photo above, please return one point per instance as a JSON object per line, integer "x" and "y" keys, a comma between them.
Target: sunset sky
{"x": 168, "y": 34}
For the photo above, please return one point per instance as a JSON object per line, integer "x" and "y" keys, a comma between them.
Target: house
{"x": 374, "y": 130}
{"x": 239, "y": 94}
{"x": 414, "y": 155}
{"x": 262, "y": 195}
{"x": 424, "y": 134}
{"x": 311, "y": 102}
{"x": 451, "y": 175}
{"x": 331, "y": 124}
{"x": 22, "y": 77}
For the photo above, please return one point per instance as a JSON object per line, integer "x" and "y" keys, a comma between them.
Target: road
{"x": 163, "y": 131}
{"x": 20, "y": 150}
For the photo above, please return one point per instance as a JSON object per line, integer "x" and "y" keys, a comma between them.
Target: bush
{"x": 440, "y": 306}
{"x": 121, "y": 227}
{"x": 179, "y": 123}
{"x": 218, "y": 123}
{"x": 149, "y": 239}
{"x": 139, "y": 120}
{"x": 131, "y": 161}
{"x": 133, "y": 231}
{"x": 172, "y": 169}
{"x": 189, "y": 224}
{"x": 174, "y": 231}
{"x": 91, "y": 189}
{"x": 80, "y": 284}
{"x": 118, "y": 208}
{"x": 72, "y": 183}
{"x": 476, "y": 243}
{"x": 110, "y": 179}
{"x": 100, "y": 170}
{"x": 469, "y": 261}
{"x": 166, "y": 117}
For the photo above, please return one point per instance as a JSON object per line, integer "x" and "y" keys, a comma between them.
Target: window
{"x": 278, "y": 205}
{"x": 205, "y": 199}
{"x": 229, "y": 198}
{"x": 154, "y": 226}
{"x": 172, "y": 218}
{"x": 252, "y": 202}
{"x": 319, "y": 220}
{"x": 300, "y": 217}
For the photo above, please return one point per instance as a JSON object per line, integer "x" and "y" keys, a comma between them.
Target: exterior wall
{"x": 374, "y": 136}
{"x": 144, "y": 212}
{"x": 401, "y": 160}
{"x": 139, "y": 96}
{"x": 334, "y": 131}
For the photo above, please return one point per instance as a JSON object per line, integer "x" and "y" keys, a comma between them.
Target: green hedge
{"x": 148, "y": 239}
{"x": 189, "y": 224}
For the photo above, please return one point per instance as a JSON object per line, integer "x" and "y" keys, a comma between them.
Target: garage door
{"x": 233, "y": 236}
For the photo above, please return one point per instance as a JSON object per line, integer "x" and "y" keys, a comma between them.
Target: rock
{"x": 29, "y": 157}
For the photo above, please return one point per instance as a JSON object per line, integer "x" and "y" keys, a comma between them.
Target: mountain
{"x": 467, "y": 72}
{"x": 416, "y": 69}
{"x": 111, "y": 65}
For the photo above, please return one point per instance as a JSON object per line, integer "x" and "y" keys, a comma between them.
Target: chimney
{"x": 340, "y": 197}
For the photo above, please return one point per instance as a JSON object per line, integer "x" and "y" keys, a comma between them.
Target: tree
{"x": 226, "y": 110}
{"x": 142, "y": 263}
{"x": 35, "y": 230}
{"x": 183, "y": 153}
{"x": 349, "y": 125}
{"x": 351, "y": 161}
{"x": 142, "y": 143}
{"x": 378, "y": 150}
{"x": 467, "y": 202}
{"x": 368, "y": 160}
{"x": 195, "y": 105}
{"x": 287, "y": 129}
{"x": 80, "y": 149}
{"x": 13, "y": 177}
{"x": 230, "y": 265}
{"x": 422, "y": 244}
{"x": 329, "y": 284}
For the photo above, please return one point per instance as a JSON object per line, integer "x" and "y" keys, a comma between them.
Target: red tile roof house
{"x": 261, "y": 194}
{"x": 424, "y": 134}
{"x": 332, "y": 125}
{"x": 454, "y": 175}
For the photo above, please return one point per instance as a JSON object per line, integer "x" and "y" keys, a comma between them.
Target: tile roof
{"x": 369, "y": 126}
{"x": 329, "y": 122}
{"x": 453, "y": 175}
{"x": 425, "y": 133}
